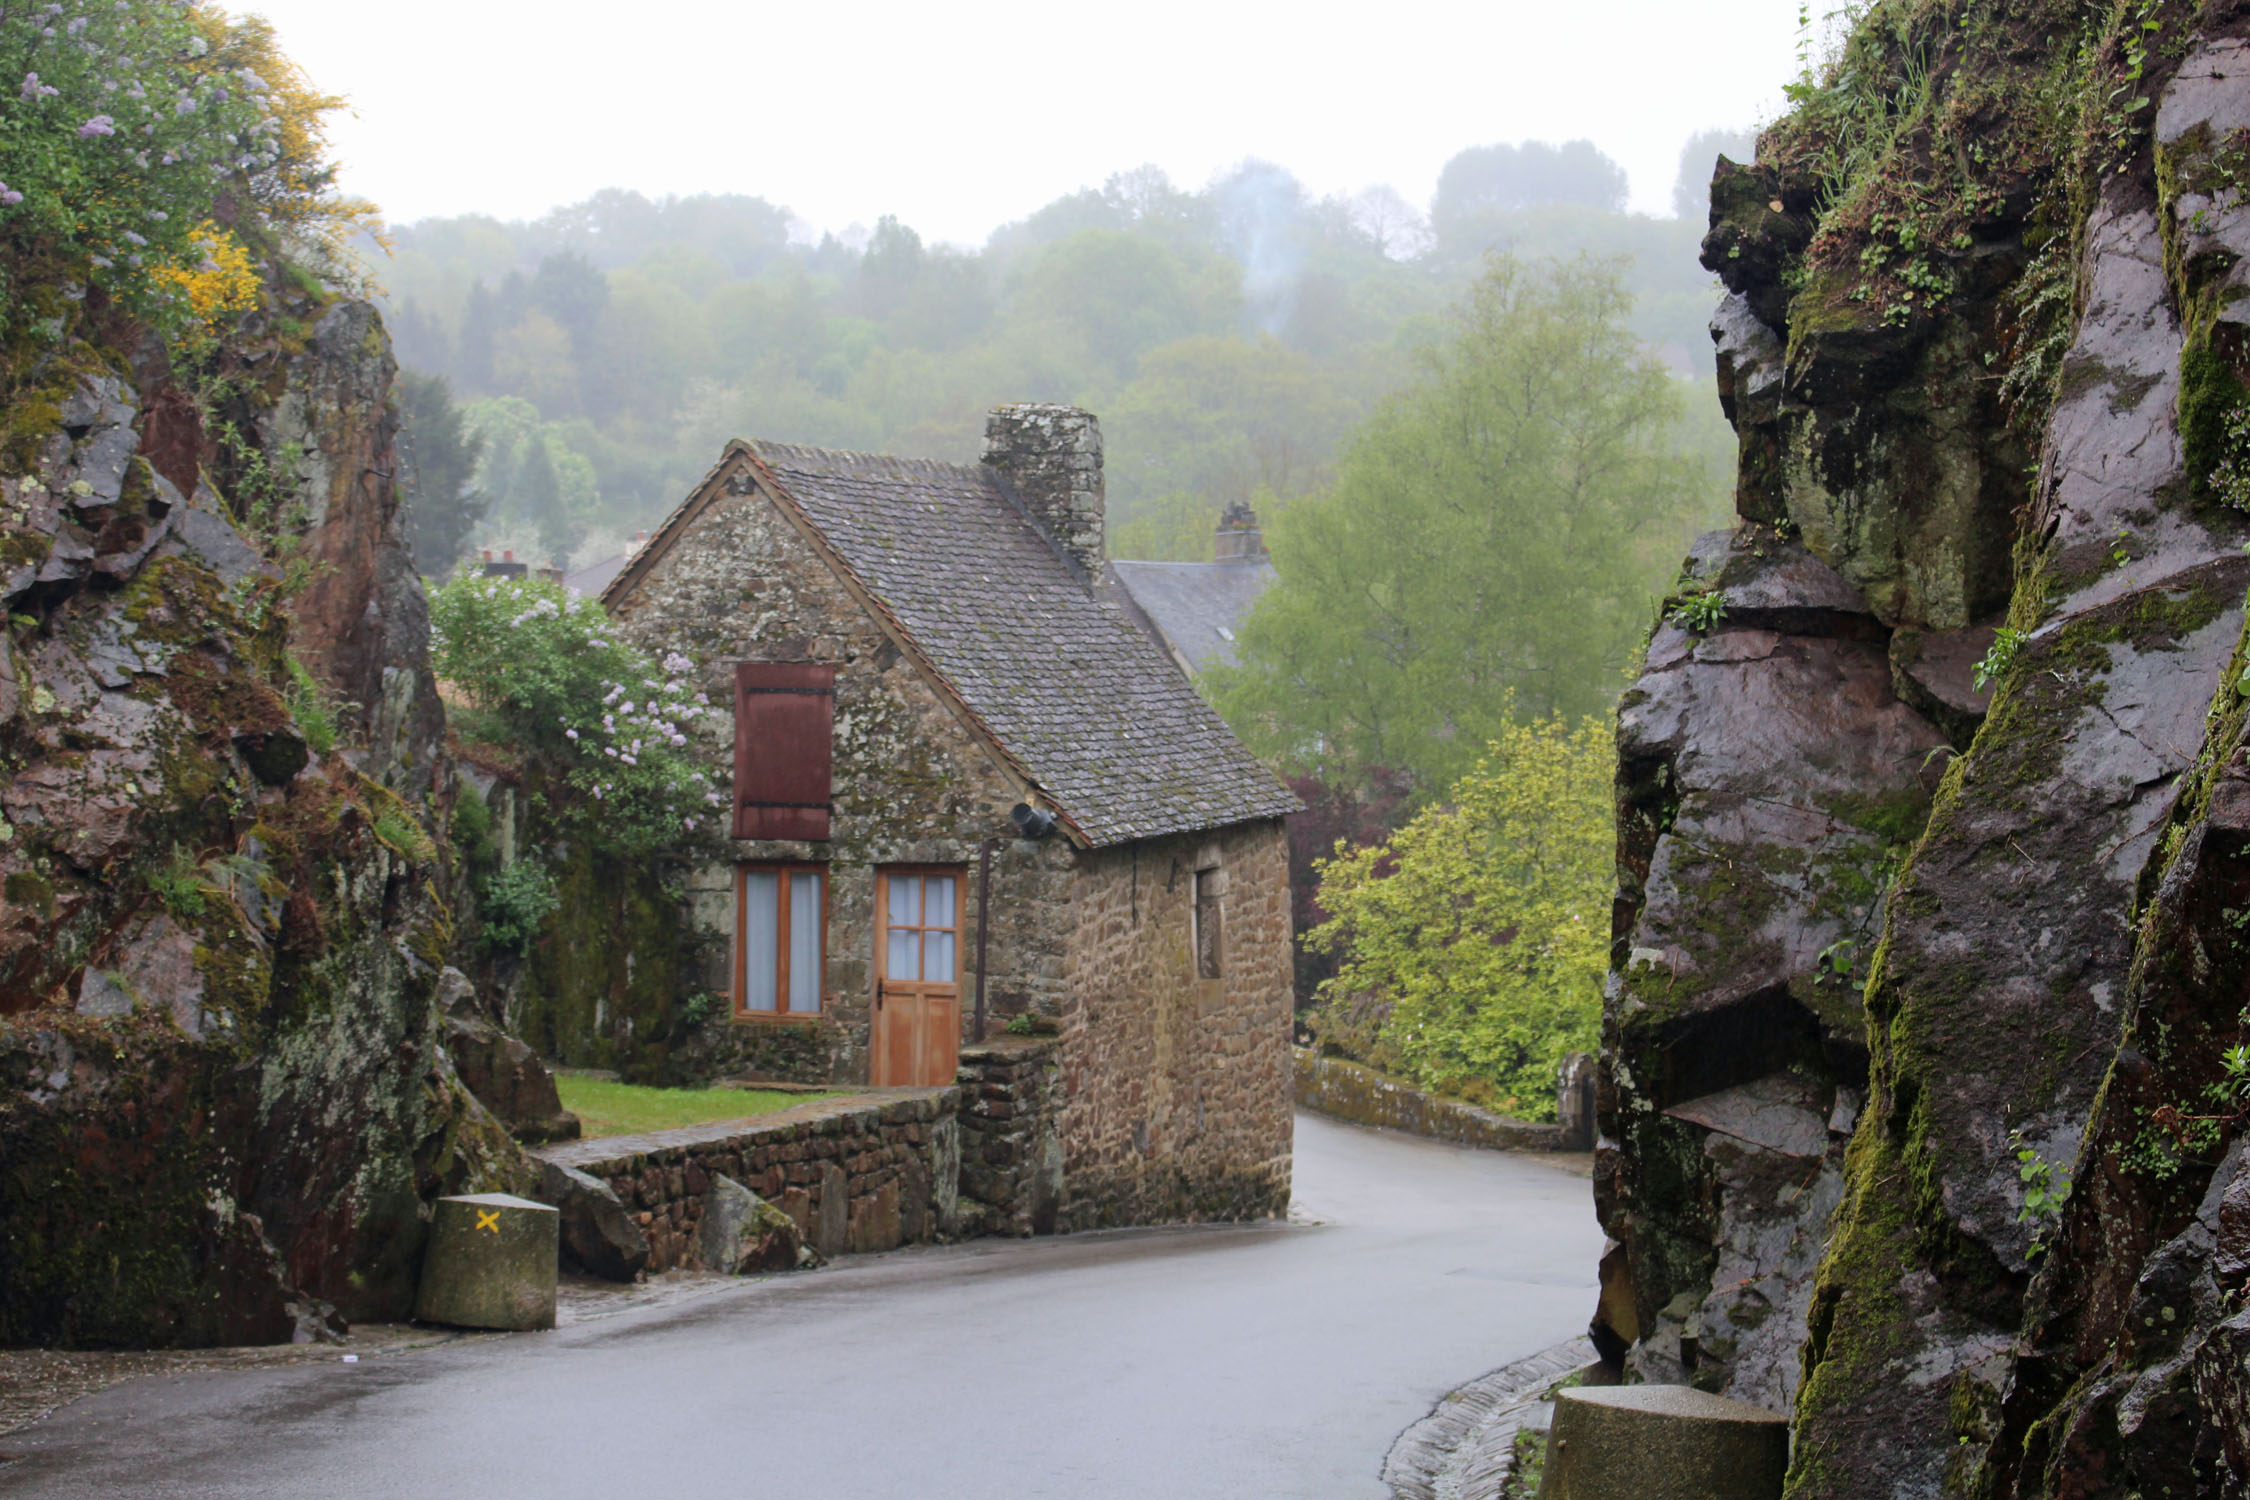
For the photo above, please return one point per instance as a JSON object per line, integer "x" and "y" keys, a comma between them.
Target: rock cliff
{"x": 1932, "y": 844}
{"x": 224, "y": 1099}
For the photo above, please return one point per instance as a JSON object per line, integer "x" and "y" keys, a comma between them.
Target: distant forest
{"x": 571, "y": 377}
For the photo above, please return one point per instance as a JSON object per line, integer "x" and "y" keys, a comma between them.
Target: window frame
{"x": 959, "y": 874}
{"x": 738, "y": 976}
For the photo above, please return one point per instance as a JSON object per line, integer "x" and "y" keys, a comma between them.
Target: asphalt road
{"x": 1273, "y": 1360}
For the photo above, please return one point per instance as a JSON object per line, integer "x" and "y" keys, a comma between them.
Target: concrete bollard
{"x": 490, "y": 1263}
{"x": 1662, "y": 1442}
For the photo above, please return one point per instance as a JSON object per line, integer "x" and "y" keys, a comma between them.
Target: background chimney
{"x": 1239, "y": 539}
{"x": 1052, "y": 456}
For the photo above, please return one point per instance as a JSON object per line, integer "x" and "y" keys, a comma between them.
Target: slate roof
{"x": 1089, "y": 708}
{"x": 598, "y": 576}
{"x": 1197, "y": 606}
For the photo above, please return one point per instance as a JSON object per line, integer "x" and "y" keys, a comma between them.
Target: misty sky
{"x": 958, "y": 118}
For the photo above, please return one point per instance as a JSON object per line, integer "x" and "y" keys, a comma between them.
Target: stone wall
{"x": 1355, "y": 1092}
{"x": 911, "y": 786}
{"x": 1011, "y": 1147}
{"x": 1176, "y": 1087}
{"x": 858, "y": 1174}
{"x": 864, "y": 1171}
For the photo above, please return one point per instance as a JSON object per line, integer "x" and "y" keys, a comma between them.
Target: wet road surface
{"x": 1273, "y": 1360}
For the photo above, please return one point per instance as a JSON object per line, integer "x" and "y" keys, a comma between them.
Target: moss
{"x": 177, "y": 603}
{"x": 1858, "y": 1326}
{"x": 2210, "y": 389}
{"x": 30, "y": 889}
{"x": 602, "y": 986}
{"x": 121, "y": 1229}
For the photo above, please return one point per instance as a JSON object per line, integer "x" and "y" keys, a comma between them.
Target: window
{"x": 781, "y": 925}
{"x": 922, "y": 928}
{"x": 1210, "y": 885}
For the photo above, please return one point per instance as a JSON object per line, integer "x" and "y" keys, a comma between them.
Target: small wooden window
{"x": 784, "y": 717}
{"x": 781, "y": 939}
{"x": 1210, "y": 886}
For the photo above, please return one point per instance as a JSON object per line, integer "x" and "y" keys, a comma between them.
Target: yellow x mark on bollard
{"x": 489, "y": 1221}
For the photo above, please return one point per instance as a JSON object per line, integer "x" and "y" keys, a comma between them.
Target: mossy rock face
{"x": 2054, "y": 981}
{"x": 1770, "y": 782}
{"x": 223, "y": 1101}
{"x": 2149, "y": 1257}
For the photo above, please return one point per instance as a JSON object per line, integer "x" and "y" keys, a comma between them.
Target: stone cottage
{"x": 966, "y": 788}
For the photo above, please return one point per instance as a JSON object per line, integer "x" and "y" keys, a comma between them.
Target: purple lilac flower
{"x": 33, "y": 90}
{"x": 98, "y": 125}
{"x": 9, "y": 197}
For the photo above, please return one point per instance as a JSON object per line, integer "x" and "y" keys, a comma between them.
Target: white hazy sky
{"x": 958, "y": 118}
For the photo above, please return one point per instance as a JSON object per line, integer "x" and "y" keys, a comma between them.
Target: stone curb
{"x": 1464, "y": 1449}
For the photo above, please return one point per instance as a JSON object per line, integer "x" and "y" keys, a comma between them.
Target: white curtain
{"x": 761, "y": 938}
{"x": 804, "y": 941}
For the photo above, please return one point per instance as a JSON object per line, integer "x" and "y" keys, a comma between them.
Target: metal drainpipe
{"x": 984, "y": 924}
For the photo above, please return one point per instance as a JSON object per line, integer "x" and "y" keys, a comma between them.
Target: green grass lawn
{"x": 607, "y": 1108}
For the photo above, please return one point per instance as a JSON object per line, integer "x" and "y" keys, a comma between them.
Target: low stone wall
{"x": 862, "y": 1172}
{"x": 1011, "y": 1148}
{"x": 1351, "y": 1091}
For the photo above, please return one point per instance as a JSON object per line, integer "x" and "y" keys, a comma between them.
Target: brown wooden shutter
{"x": 784, "y": 714}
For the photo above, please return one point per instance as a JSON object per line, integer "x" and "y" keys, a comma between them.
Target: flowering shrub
{"x": 131, "y": 130}
{"x": 546, "y": 670}
{"x": 1474, "y": 942}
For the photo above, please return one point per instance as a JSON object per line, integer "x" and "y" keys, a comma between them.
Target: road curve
{"x": 1272, "y": 1360}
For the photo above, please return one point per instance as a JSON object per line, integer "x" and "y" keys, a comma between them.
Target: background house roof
{"x": 1196, "y": 606}
{"x": 1085, "y": 702}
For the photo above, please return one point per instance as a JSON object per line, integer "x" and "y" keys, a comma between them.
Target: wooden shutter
{"x": 783, "y": 718}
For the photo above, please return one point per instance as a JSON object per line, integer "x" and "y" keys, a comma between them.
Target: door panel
{"x": 917, "y": 1028}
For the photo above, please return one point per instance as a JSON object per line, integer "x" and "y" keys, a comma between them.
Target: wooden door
{"x": 917, "y": 1032}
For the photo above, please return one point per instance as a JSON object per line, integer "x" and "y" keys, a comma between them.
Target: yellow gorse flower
{"x": 224, "y": 284}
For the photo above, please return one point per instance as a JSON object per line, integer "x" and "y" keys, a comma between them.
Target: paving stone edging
{"x": 1465, "y": 1448}
{"x": 1355, "y": 1092}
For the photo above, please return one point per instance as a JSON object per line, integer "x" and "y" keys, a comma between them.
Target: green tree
{"x": 440, "y": 457}
{"x": 1484, "y": 181}
{"x": 1478, "y": 935}
{"x": 1222, "y": 418}
{"x": 1496, "y": 536}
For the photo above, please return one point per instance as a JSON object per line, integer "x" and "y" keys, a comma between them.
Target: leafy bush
{"x": 131, "y": 129}
{"x": 547, "y": 669}
{"x": 514, "y": 904}
{"x": 1483, "y": 925}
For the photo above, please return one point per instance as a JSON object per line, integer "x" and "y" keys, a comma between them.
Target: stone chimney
{"x": 1239, "y": 540}
{"x": 1052, "y": 457}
